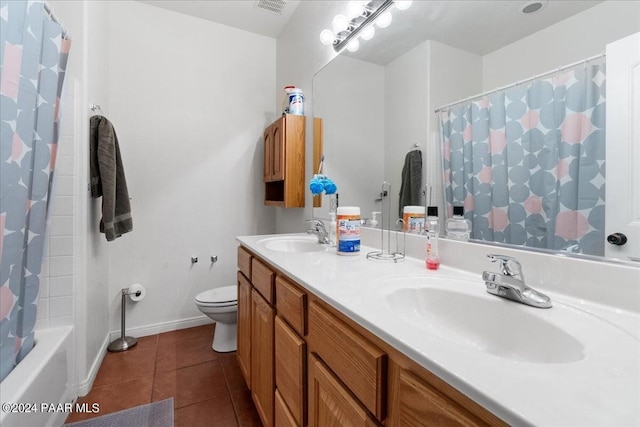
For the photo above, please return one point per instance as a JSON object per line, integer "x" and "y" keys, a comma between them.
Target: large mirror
{"x": 378, "y": 104}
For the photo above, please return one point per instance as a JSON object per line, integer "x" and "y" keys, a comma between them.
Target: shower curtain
{"x": 33, "y": 55}
{"x": 528, "y": 163}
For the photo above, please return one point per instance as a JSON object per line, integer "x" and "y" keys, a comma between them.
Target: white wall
{"x": 353, "y": 116}
{"x": 189, "y": 100}
{"x": 299, "y": 55}
{"x": 428, "y": 76}
{"x": 574, "y": 39}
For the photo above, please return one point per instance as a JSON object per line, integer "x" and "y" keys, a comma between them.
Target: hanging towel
{"x": 411, "y": 180}
{"x": 107, "y": 179}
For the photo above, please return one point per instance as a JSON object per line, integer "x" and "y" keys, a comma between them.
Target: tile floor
{"x": 207, "y": 387}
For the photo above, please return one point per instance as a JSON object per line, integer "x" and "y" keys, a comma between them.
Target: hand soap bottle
{"x": 457, "y": 227}
{"x": 432, "y": 230}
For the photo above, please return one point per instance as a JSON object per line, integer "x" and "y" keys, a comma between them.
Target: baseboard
{"x": 158, "y": 328}
{"x": 85, "y": 387}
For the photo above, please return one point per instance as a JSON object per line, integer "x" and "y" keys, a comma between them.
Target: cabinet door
{"x": 278, "y": 150}
{"x": 244, "y": 327}
{"x": 262, "y": 352}
{"x": 417, "y": 404}
{"x": 268, "y": 155}
{"x": 330, "y": 404}
{"x": 291, "y": 353}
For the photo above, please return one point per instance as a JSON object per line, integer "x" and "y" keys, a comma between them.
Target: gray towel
{"x": 411, "y": 187}
{"x": 107, "y": 179}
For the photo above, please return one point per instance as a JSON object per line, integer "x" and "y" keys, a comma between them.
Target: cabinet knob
{"x": 617, "y": 239}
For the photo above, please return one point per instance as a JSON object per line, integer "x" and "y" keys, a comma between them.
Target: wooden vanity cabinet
{"x": 284, "y": 162}
{"x": 312, "y": 365}
{"x": 244, "y": 313}
{"x": 291, "y": 353}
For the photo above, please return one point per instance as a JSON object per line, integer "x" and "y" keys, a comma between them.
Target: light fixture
{"x": 326, "y": 37}
{"x": 403, "y": 5}
{"x": 340, "y": 23}
{"x": 384, "y": 19}
{"x": 355, "y": 8}
{"x": 353, "y": 45}
{"x": 358, "y": 22}
{"x": 368, "y": 32}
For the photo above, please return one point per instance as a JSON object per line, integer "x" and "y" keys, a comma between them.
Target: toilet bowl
{"x": 221, "y": 305}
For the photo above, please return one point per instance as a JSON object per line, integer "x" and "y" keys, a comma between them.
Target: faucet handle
{"x": 505, "y": 266}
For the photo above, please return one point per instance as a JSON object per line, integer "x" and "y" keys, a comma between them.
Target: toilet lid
{"x": 225, "y": 294}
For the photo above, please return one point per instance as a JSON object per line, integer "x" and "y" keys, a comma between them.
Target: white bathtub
{"x": 44, "y": 376}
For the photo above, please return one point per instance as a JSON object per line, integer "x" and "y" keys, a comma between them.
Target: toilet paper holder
{"x": 124, "y": 342}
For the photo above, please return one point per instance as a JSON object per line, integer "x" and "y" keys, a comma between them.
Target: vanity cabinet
{"x": 284, "y": 162}
{"x": 312, "y": 365}
{"x": 262, "y": 345}
{"x": 244, "y": 314}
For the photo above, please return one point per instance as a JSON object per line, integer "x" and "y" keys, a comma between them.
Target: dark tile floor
{"x": 207, "y": 387}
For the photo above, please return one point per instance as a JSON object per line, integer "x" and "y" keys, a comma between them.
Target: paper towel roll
{"x": 137, "y": 292}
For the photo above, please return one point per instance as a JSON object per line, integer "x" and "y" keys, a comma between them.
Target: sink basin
{"x": 292, "y": 244}
{"x": 478, "y": 321}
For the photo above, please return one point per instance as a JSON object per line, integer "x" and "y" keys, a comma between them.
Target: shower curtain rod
{"x": 516, "y": 83}
{"x": 55, "y": 19}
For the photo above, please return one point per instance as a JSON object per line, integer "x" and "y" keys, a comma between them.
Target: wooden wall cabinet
{"x": 284, "y": 162}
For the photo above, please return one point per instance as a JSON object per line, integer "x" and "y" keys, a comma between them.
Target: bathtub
{"x": 43, "y": 377}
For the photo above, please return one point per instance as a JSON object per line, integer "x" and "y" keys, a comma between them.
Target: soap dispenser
{"x": 457, "y": 227}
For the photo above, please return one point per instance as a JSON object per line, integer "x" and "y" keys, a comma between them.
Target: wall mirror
{"x": 377, "y": 104}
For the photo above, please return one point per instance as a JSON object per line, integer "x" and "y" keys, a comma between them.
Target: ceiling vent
{"x": 273, "y": 6}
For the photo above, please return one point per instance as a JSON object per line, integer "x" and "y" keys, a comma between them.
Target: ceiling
{"x": 242, "y": 14}
{"x": 477, "y": 26}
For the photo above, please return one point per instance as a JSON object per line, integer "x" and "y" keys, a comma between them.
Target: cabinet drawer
{"x": 290, "y": 369}
{"x": 262, "y": 278}
{"x": 244, "y": 262}
{"x": 330, "y": 404}
{"x": 357, "y": 362}
{"x": 417, "y": 404}
{"x": 291, "y": 304}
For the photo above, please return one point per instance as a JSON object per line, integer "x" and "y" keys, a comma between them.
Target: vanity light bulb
{"x": 384, "y": 20}
{"x": 355, "y": 8}
{"x": 340, "y": 23}
{"x": 326, "y": 37}
{"x": 403, "y": 5}
{"x": 368, "y": 33}
{"x": 353, "y": 45}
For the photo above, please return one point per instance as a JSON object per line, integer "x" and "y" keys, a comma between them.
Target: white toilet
{"x": 221, "y": 305}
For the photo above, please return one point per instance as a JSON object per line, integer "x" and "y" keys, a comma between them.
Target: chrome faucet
{"x": 510, "y": 283}
{"x": 319, "y": 230}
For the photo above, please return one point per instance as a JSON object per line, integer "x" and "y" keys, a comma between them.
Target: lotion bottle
{"x": 432, "y": 230}
{"x": 457, "y": 227}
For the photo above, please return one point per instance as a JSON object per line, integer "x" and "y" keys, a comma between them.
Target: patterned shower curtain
{"x": 528, "y": 163}
{"x": 33, "y": 54}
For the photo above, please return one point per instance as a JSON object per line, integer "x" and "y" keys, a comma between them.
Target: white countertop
{"x": 601, "y": 387}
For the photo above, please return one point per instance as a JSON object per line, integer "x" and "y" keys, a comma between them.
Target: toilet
{"x": 221, "y": 305}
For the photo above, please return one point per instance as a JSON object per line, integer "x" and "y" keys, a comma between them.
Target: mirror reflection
{"x": 527, "y": 162}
